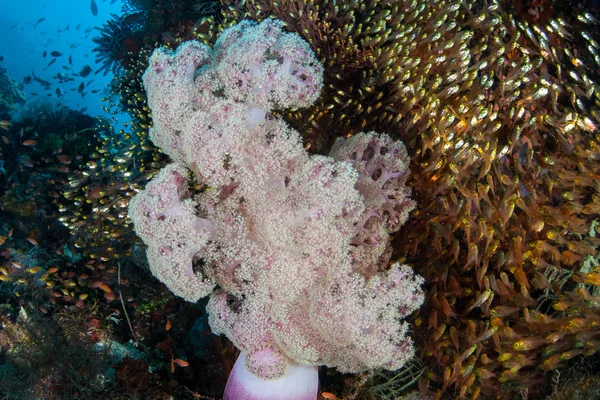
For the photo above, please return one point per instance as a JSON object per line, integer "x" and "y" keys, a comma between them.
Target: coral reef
{"x": 497, "y": 104}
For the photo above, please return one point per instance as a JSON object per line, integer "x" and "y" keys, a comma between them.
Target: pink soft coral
{"x": 293, "y": 249}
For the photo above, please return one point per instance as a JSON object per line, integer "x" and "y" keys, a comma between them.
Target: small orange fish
{"x": 521, "y": 277}
{"x": 33, "y": 241}
{"x": 52, "y": 270}
{"x": 481, "y": 299}
{"x": 551, "y": 363}
{"x": 486, "y": 334}
{"x": 561, "y": 305}
{"x": 29, "y": 142}
{"x": 467, "y": 353}
{"x": 437, "y": 334}
{"x": 592, "y": 278}
{"x": 504, "y": 311}
{"x": 476, "y": 393}
{"x": 447, "y": 309}
{"x": 446, "y": 381}
{"x": 168, "y": 326}
{"x": 567, "y": 355}
{"x": 484, "y": 373}
{"x": 5, "y": 140}
{"x": 180, "y": 362}
{"x": 329, "y": 396}
{"x": 529, "y": 343}
{"x": 454, "y": 336}
{"x": 105, "y": 288}
{"x": 466, "y": 386}
{"x": 5, "y": 125}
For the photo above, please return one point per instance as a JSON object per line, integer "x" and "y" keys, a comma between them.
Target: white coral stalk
{"x": 300, "y": 382}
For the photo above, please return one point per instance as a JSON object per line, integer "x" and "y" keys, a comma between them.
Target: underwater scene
{"x": 300, "y": 200}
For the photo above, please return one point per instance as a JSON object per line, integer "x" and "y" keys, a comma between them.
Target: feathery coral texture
{"x": 292, "y": 248}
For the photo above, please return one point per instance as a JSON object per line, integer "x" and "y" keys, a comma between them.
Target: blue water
{"x": 68, "y": 27}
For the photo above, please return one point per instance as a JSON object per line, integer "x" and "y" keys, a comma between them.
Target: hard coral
{"x": 298, "y": 245}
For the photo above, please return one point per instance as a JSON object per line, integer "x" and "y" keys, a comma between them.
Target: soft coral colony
{"x": 292, "y": 248}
